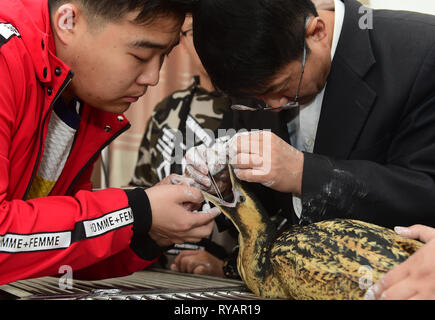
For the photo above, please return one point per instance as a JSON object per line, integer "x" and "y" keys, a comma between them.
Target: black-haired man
{"x": 354, "y": 137}
{"x": 68, "y": 71}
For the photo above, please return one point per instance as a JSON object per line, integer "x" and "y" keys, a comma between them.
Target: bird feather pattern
{"x": 321, "y": 260}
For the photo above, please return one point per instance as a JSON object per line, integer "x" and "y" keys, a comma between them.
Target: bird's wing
{"x": 345, "y": 250}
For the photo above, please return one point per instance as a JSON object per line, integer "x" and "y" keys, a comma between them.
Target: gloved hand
{"x": 257, "y": 156}
{"x": 200, "y": 160}
{"x": 173, "y": 219}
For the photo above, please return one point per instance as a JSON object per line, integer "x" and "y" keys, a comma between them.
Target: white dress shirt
{"x": 309, "y": 114}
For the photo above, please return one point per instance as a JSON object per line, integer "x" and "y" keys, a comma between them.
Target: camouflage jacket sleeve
{"x": 181, "y": 120}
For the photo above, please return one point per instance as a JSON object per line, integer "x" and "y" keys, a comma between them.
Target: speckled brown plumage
{"x": 324, "y": 260}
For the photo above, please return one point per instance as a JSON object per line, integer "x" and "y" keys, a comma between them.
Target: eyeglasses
{"x": 187, "y": 32}
{"x": 289, "y": 105}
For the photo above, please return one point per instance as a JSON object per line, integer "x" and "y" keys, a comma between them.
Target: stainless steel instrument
{"x": 151, "y": 284}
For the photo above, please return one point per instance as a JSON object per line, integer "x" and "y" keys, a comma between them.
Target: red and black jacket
{"x": 98, "y": 234}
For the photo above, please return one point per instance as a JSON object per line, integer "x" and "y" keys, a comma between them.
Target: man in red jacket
{"x": 68, "y": 70}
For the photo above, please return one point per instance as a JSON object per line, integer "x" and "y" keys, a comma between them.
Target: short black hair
{"x": 244, "y": 43}
{"x": 148, "y": 10}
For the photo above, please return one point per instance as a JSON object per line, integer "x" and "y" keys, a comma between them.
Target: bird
{"x": 334, "y": 259}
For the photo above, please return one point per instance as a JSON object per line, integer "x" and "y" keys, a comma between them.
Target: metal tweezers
{"x": 215, "y": 186}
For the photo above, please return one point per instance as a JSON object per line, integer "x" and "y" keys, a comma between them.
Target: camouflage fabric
{"x": 185, "y": 118}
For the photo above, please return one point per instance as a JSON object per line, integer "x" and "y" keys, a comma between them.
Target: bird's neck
{"x": 256, "y": 236}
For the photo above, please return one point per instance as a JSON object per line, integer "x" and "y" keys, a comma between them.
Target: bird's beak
{"x": 224, "y": 206}
{"x": 245, "y": 211}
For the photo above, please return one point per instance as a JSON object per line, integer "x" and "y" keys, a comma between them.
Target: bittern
{"x": 323, "y": 260}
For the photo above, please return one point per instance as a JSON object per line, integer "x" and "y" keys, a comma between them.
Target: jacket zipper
{"x": 95, "y": 155}
{"x": 62, "y": 88}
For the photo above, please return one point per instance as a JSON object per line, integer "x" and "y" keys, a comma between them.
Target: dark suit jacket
{"x": 374, "y": 156}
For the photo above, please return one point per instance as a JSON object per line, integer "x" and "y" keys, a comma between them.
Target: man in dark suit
{"x": 356, "y": 138}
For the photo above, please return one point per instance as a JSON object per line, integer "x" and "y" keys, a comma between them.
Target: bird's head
{"x": 244, "y": 209}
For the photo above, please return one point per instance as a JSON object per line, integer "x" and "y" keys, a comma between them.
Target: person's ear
{"x": 65, "y": 22}
{"x": 316, "y": 29}
{"x": 183, "y": 43}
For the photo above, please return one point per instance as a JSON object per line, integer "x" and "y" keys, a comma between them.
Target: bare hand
{"x": 198, "y": 262}
{"x": 171, "y": 222}
{"x": 413, "y": 279}
{"x": 265, "y": 158}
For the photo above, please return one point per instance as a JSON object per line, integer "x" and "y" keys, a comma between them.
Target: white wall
{"x": 425, "y": 6}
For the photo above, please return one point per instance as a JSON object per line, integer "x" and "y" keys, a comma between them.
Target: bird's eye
{"x": 242, "y": 198}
